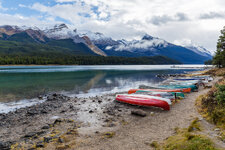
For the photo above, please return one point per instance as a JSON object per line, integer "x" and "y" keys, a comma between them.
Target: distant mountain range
{"x": 90, "y": 43}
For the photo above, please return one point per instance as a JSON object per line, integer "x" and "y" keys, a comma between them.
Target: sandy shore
{"x": 99, "y": 122}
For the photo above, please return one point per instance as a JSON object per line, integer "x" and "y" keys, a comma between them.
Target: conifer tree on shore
{"x": 219, "y": 58}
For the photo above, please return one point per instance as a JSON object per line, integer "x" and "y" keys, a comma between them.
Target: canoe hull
{"x": 175, "y": 94}
{"x": 143, "y": 101}
{"x": 167, "y": 95}
{"x": 186, "y": 90}
{"x": 193, "y": 87}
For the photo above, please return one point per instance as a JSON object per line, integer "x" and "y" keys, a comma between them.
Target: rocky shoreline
{"x": 89, "y": 115}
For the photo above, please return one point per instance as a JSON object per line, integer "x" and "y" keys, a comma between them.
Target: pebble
{"x": 111, "y": 125}
{"x": 47, "y": 139}
{"x": 30, "y": 134}
{"x": 60, "y": 140}
{"x": 57, "y": 121}
{"x": 40, "y": 145}
{"x": 40, "y": 97}
{"x": 217, "y": 129}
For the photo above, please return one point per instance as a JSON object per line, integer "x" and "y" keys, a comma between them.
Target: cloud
{"x": 212, "y": 15}
{"x": 171, "y": 20}
{"x": 63, "y": 1}
{"x": 159, "y": 20}
{"x": 144, "y": 44}
{"x": 183, "y": 42}
{"x": 182, "y": 17}
{"x": 22, "y": 6}
{"x": 20, "y": 20}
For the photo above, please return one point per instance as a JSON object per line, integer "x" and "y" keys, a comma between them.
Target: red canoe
{"x": 185, "y": 90}
{"x": 143, "y": 101}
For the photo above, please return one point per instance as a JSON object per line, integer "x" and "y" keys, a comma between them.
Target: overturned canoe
{"x": 185, "y": 90}
{"x": 144, "y": 100}
{"x": 175, "y": 94}
{"x": 176, "y": 86}
{"x": 167, "y": 95}
{"x": 186, "y": 79}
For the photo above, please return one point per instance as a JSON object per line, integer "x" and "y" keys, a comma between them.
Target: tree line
{"x": 83, "y": 60}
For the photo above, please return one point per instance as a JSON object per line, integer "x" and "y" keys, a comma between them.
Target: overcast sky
{"x": 177, "y": 21}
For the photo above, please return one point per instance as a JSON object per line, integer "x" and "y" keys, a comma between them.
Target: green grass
{"x": 187, "y": 139}
{"x": 184, "y": 141}
{"x": 195, "y": 126}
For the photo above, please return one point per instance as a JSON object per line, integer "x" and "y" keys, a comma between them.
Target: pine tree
{"x": 219, "y": 58}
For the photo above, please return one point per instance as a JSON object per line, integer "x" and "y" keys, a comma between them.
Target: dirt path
{"x": 140, "y": 132}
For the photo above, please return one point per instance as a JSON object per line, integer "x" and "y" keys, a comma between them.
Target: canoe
{"x": 146, "y": 96}
{"x": 186, "y": 90}
{"x": 158, "y": 94}
{"x": 175, "y": 94}
{"x": 178, "y": 94}
{"x": 162, "y": 89}
{"x": 171, "y": 86}
{"x": 186, "y": 79}
{"x": 192, "y": 82}
{"x": 144, "y": 100}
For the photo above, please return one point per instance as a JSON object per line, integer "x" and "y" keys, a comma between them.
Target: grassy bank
{"x": 186, "y": 139}
{"x": 212, "y": 105}
{"x": 216, "y": 72}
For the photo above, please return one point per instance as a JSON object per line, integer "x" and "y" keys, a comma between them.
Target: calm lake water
{"x": 20, "y": 85}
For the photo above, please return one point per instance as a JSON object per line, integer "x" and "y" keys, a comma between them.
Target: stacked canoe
{"x": 164, "y": 94}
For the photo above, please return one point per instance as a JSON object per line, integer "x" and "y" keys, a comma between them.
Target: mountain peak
{"x": 61, "y": 26}
{"x": 57, "y": 28}
{"x": 147, "y": 37}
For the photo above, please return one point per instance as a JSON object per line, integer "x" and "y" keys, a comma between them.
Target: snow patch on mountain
{"x": 23, "y": 28}
{"x": 92, "y": 35}
{"x": 187, "y": 43}
{"x": 99, "y": 38}
{"x": 60, "y": 31}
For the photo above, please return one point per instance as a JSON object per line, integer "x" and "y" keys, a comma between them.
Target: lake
{"x": 21, "y": 85}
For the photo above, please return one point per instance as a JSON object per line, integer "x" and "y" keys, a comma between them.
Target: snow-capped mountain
{"x": 102, "y": 45}
{"x": 61, "y": 31}
{"x": 99, "y": 38}
{"x": 151, "y": 46}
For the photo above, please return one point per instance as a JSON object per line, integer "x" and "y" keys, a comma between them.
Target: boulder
{"x": 140, "y": 113}
{"x": 5, "y": 145}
